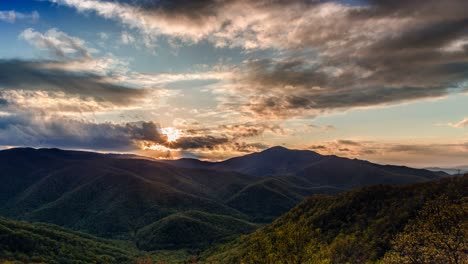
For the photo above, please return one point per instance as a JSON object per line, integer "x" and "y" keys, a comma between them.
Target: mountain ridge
{"x": 117, "y": 196}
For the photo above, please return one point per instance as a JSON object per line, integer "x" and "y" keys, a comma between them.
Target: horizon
{"x": 380, "y": 81}
{"x": 462, "y": 167}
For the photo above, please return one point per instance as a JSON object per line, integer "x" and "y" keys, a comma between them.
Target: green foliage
{"x": 359, "y": 227}
{"x": 41, "y": 243}
{"x": 438, "y": 235}
{"x": 23, "y": 242}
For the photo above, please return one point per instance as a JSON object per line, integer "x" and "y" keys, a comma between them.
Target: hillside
{"x": 41, "y": 243}
{"x": 424, "y": 222}
{"x": 108, "y": 196}
{"x": 185, "y": 230}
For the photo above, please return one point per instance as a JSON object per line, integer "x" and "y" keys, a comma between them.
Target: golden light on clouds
{"x": 172, "y": 133}
{"x": 157, "y": 147}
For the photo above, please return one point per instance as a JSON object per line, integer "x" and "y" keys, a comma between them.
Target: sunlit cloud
{"x": 412, "y": 154}
{"x": 462, "y": 123}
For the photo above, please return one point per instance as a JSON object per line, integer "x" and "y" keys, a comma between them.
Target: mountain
{"x": 315, "y": 168}
{"x": 108, "y": 196}
{"x": 274, "y": 161}
{"x": 125, "y": 197}
{"x": 452, "y": 171}
{"x": 421, "y": 223}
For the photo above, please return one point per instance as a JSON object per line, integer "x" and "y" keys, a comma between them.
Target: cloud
{"x": 13, "y": 16}
{"x": 348, "y": 142}
{"x": 126, "y": 38}
{"x": 58, "y": 43}
{"x": 417, "y": 154}
{"x": 52, "y": 102}
{"x": 26, "y": 127}
{"x": 250, "y": 129}
{"x": 74, "y": 80}
{"x": 40, "y": 130}
{"x": 284, "y": 88}
{"x": 33, "y": 76}
{"x": 226, "y": 136}
{"x": 199, "y": 142}
{"x": 333, "y": 56}
{"x": 462, "y": 123}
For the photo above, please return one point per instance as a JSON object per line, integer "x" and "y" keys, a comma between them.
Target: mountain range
{"x": 180, "y": 204}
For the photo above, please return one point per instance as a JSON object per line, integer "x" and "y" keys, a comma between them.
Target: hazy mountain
{"x": 425, "y": 221}
{"x": 315, "y": 168}
{"x": 452, "y": 171}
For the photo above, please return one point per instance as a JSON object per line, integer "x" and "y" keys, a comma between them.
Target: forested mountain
{"x": 421, "y": 223}
{"x": 146, "y": 201}
{"x": 108, "y": 196}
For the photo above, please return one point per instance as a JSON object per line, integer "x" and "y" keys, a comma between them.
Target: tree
{"x": 437, "y": 236}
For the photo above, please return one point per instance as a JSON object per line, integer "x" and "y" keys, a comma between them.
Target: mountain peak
{"x": 276, "y": 149}
{"x": 286, "y": 151}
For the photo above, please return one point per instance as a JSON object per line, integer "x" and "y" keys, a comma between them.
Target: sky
{"x": 381, "y": 80}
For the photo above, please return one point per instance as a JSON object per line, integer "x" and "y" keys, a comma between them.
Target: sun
{"x": 172, "y": 133}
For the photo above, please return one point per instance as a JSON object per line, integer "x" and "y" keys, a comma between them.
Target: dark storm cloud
{"x": 31, "y": 75}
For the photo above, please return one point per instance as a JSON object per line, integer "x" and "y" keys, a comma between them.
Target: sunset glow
{"x": 215, "y": 79}
{"x": 172, "y": 133}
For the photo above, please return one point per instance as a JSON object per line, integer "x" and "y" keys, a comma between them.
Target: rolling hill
{"x": 421, "y": 223}
{"x": 22, "y": 242}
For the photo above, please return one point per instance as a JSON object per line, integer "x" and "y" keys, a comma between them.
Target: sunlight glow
{"x": 172, "y": 133}
{"x": 157, "y": 147}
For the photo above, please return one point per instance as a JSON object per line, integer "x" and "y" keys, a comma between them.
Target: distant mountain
{"x": 275, "y": 161}
{"x": 421, "y": 223}
{"x": 451, "y": 171}
{"x": 315, "y": 168}
{"x": 125, "y": 197}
